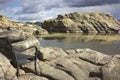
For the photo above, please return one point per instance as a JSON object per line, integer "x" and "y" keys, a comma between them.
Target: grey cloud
{"x": 4, "y": 1}
{"x": 5, "y": 4}
{"x": 83, "y": 3}
{"x": 34, "y": 6}
{"x": 2, "y": 4}
{"x": 39, "y": 5}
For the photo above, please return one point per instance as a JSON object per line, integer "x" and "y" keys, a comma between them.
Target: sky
{"x": 40, "y": 10}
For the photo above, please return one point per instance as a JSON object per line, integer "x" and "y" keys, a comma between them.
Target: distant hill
{"x": 6, "y": 24}
{"x": 93, "y": 22}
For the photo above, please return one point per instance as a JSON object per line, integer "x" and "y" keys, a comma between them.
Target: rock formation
{"x": 93, "y": 22}
{"x": 6, "y": 25}
{"x": 58, "y": 64}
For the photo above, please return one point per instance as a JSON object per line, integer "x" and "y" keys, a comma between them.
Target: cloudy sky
{"x": 39, "y": 10}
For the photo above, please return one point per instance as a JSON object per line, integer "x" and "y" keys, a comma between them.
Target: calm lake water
{"x": 108, "y": 44}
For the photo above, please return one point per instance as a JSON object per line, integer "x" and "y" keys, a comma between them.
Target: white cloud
{"x": 46, "y": 14}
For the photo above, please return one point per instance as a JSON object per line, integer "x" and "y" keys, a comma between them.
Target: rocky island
{"x": 94, "y": 22}
{"x": 54, "y": 63}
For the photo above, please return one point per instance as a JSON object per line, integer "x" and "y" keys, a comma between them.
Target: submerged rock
{"x": 93, "y": 22}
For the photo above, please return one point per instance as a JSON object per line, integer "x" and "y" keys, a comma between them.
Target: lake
{"x": 108, "y": 44}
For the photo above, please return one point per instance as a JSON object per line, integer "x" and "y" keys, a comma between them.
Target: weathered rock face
{"x": 28, "y": 42}
{"x": 93, "y": 22}
{"x": 14, "y": 35}
{"x": 93, "y": 56}
{"x": 111, "y": 70}
{"x": 50, "y": 53}
{"x": 7, "y": 72}
{"x": 6, "y": 25}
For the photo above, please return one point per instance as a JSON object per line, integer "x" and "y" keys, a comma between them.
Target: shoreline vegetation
{"x": 77, "y": 36}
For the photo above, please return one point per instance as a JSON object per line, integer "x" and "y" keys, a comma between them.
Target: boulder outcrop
{"x": 58, "y": 64}
{"x": 75, "y": 64}
{"x": 93, "y": 22}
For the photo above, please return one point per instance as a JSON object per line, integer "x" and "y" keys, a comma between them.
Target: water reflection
{"x": 109, "y": 44}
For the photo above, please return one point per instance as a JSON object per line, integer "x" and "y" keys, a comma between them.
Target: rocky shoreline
{"x": 57, "y": 64}
{"x": 85, "y": 23}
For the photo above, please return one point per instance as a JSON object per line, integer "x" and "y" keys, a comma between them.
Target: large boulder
{"x": 93, "y": 56}
{"x": 21, "y": 48}
{"x": 7, "y": 71}
{"x": 8, "y": 37}
{"x": 18, "y": 44}
{"x": 93, "y": 22}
